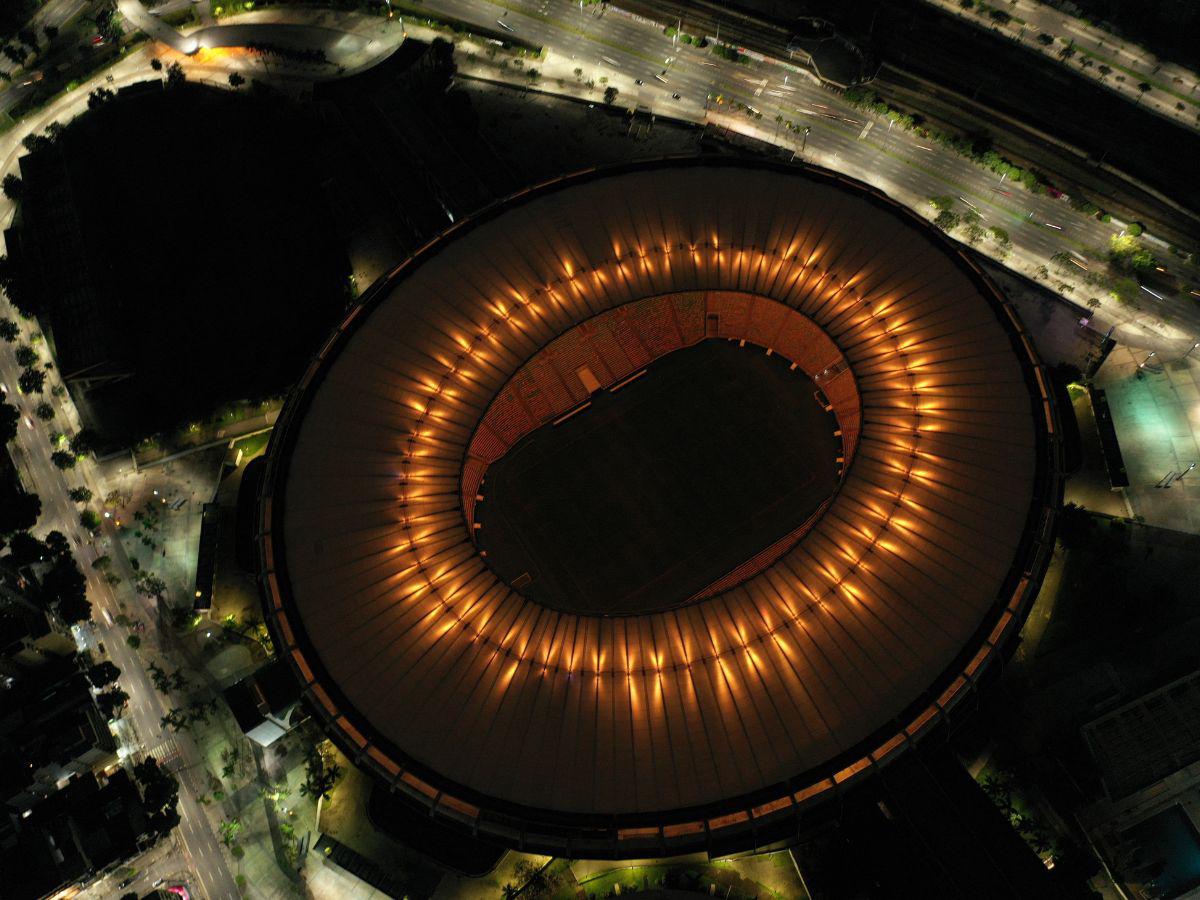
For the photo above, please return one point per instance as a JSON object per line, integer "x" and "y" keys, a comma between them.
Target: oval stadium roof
{"x": 705, "y": 723}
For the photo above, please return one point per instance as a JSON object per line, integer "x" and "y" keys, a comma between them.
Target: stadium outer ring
{"x": 738, "y": 823}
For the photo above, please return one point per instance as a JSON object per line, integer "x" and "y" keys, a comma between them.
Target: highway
{"x": 1171, "y": 82}
{"x": 911, "y": 170}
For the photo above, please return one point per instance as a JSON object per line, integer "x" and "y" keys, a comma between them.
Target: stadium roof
{"x": 702, "y": 725}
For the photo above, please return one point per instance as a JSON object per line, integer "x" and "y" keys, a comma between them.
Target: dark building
{"x": 266, "y": 704}
{"x": 50, "y": 731}
{"x": 90, "y": 825}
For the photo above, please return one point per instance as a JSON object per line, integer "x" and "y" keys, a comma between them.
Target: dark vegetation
{"x": 214, "y": 282}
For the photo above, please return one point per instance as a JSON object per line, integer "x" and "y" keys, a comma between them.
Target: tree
{"x": 50, "y": 32}
{"x": 89, "y": 520}
{"x": 111, "y": 702}
{"x": 999, "y": 235}
{"x": 18, "y": 514}
{"x": 84, "y": 442}
{"x": 236, "y": 80}
{"x": 24, "y": 548}
{"x": 80, "y": 494}
{"x": 74, "y": 609}
{"x": 320, "y": 774}
{"x": 230, "y": 829}
{"x": 1045, "y": 39}
{"x": 610, "y": 94}
{"x": 44, "y": 411}
{"x": 1104, "y": 70}
{"x": 160, "y": 794}
{"x": 175, "y": 719}
{"x": 133, "y": 641}
{"x": 175, "y": 75}
{"x": 9, "y": 417}
{"x": 1124, "y": 290}
{"x": 12, "y": 186}
{"x": 15, "y": 53}
{"x": 102, "y": 563}
{"x": 103, "y": 674}
{"x": 99, "y": 97}
{"x": 156, "y": 64}
{"x": 1143, "y": 89}
{"x": 108, "y": 25}
{"x": 158, "y": 676}
{"x": 26, "y": 356}
{"x": 63, "y": 460}
{"x": 1128, "y": 256}
{"x": 31, "y": 381}
{"x": 58, "y": 545}
{"x": 9, "y": 330}
{"x": 946, "y": 220}
{"x": 150, "y": 585}
{"x": 64, "y": 590}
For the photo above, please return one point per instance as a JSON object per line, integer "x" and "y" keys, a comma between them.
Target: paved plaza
{"x": 1156, "y": 409}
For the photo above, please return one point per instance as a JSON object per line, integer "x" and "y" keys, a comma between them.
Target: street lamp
{"x": 1153, "y": 353}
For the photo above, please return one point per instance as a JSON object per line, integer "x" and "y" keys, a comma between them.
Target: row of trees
{"x": 977, "y": 148}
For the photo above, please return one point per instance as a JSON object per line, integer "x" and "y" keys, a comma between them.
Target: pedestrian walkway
{"x": 156, "y": 28}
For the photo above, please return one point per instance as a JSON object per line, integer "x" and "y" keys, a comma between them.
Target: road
{"x": 911, "y": 170}
{"x": 1172, "y": 83}
{"x": 607, "y": 42}
{"x": 140, "y": 730}
{"x": 53, "y": 14}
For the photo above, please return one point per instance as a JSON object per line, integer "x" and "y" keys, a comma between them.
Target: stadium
{"x": 652, "y": 509}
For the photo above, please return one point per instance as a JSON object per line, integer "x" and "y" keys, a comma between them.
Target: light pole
{"x": 1190, "y": 349}
{"x": 1142, "y": 364}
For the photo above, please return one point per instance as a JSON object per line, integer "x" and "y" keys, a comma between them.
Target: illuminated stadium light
{"x": 717, "y": 722}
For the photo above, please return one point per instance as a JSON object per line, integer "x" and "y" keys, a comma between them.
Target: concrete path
{"x": 155, "y": 27}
